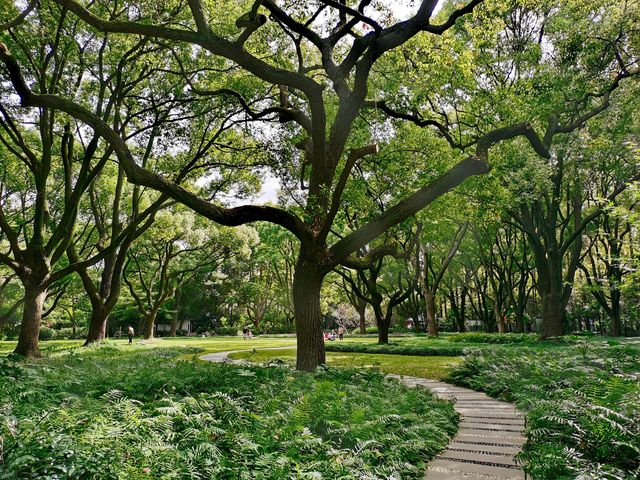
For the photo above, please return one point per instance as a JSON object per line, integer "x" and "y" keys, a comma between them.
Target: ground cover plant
{"x": 582, "y": 405}
{"x": 116, "y": 412}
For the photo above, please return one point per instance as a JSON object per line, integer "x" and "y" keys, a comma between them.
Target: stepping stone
{"x": 475, "y": 436}
{"x": 495, "y": 421}
{"x": 479, "y": 457}
{"x": 459, "y": 467}
{"x": 491, "y": 449}
{"x": 436, "y": 473}
{"x": 488, "y": 427}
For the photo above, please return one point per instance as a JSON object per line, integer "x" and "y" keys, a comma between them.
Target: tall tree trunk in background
{"x": 430, "y": 310}
{"x": 307, "y": 282}
{"x": 458, "y": 305}
{"x": 616, "y": 322}
{"x": 362, "y": 315}
{"x": 430, "y": 276}
{"x": 519, "y": 318}
{"x": 499, "y": 318}
{"x": 34, "y": 298}
{"x": 176, "y": 313}
{"x": 463, "y": 310}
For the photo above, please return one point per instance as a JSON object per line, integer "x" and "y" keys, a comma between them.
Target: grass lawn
{"x": 435, "y": 367}
{"x": 206, "y": 344}
{"x": 138, "y": 412}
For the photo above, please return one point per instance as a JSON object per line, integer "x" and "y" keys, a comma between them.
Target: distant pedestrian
{"x": 245, "y": 331}
{"x": 341, "y": 332}
{"x": 130, "y": 334}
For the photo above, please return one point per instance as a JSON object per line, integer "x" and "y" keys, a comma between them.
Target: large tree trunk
{"x": 97, "y": 325}
{"x": 307, "y": 282}
{"x": 34, "y": 298}
{"x": 383, "y": 322}
{"x": 430, "y": 306}
{"x": 383, "y": 331}
{"x": 552, "y": 314}
{"x": 150, "y": 321}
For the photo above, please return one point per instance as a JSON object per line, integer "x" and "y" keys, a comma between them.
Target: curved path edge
{"x": 490, "y": 433}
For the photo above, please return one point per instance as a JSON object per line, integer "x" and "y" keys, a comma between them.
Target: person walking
{"x": 130, "y": 334}
{"x": 341, "y": 332}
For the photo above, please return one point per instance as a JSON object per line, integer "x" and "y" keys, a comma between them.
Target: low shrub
{"x": 232, "y": 331}
{"x": 582, "y": 405}
{"x": 375, "y": 330}
{"x": 479, "y": 337}
{"x": 47, "y": 333}
{"x": 397, "y": 349}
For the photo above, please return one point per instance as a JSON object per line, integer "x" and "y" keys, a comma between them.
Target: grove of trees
{"x": 448, "y": 164}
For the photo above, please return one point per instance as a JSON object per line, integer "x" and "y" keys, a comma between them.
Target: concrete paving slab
{"x": 479, "y": 457}
{"x": 469, "y": 467}
{"x": 492, "y": 449}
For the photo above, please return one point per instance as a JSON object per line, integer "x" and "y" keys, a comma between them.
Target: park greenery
{"x": 581, "y": 396}
{"x": 454, "y": 183}
{"x": 114, "y": 412}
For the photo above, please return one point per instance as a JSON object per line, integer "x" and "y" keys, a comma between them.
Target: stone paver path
{"x": 490, "y": 433}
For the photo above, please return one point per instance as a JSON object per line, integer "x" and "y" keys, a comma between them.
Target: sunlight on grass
{"x": 419, "y": 366}
{"x": 208, "y": 344}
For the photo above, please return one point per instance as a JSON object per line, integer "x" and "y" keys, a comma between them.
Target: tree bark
{"x": 461, "y": 311}
{"x": 307, "y": 282}
{"x": 430, "y": 307}
{"x": 97, "y": 325}
{"x": 150, "y": 321}
{"x": 499, "y": 319}
{"x": 552, "y": 314}
{"x": 616, "y": 323}
{"x": 176, "y": 314}
{"x": 519, "y": 317}
{"x": 363, "y": 318}
{"x": 383, "y": 331}
{"x": 34, "y": 298}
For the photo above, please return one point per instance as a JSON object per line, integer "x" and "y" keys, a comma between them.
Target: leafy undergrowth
{"x": 437, "y": 367}
{"x": 113, "y": 412}
{"x": 582, "y": 405}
